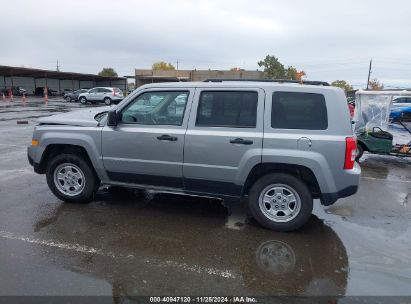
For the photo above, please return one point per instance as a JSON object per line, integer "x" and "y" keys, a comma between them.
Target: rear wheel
{"x": 107, "y": 101}
{"x": 68, "y": 99}
{"x": 83, "y": 100}
{"x": 280, "y": 202}
{"x": 71, "y": 178}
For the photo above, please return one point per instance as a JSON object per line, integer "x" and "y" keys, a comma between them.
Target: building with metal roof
{"x": 30, "y": 79}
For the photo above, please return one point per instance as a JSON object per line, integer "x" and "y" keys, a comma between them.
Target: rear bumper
{"x": 347, "y": 184}
{"x": 330, "y": 198}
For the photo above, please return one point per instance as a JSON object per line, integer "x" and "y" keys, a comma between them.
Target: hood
{"x": 82, "y": 118}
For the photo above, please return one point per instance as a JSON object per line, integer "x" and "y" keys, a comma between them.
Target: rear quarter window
{"x": 295, "y": 110}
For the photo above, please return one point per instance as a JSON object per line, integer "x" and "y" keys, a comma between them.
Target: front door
{"x": 92, "y": 94}
{"x": 146, "y": 147}
{"x": 224, "y": 139}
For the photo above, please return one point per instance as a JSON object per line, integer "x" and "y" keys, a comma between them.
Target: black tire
{"x": 67, "y": 99}
{"x": 359, "y": 152}
{"x": 107, "y": 101}
{"x": 83, "y": 100}
{"x": 300, "y": 188}
{"x": 91, "y": 182}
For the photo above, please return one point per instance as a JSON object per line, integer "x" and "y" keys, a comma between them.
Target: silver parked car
{"x": 107, "y": 95}
{"x": 280, "y": 145}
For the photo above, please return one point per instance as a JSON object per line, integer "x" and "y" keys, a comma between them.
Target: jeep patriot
{"x": 277, "y": 144}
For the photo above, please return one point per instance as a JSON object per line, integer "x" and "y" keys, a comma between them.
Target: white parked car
{"x": 107, "y": 95}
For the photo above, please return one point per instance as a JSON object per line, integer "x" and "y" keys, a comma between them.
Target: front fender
{"x": 87, "y": 138}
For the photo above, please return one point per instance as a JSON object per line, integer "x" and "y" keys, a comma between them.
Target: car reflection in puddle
{"x": 178, "y": 245}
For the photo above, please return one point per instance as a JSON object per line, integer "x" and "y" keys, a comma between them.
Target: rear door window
{"x": 236, "y": 109}
{"x": 295, "y": 110}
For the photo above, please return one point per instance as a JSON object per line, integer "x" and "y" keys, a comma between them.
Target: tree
{"x": 293, "y": 74}
{"x": 163, "y": 66}
{"x": 273, "y": 68}
{"x": 375, "y": 85}
{"x": 108, "y": 72}
{"x": 342, "y": 84}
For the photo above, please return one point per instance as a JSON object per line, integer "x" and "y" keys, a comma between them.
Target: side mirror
{"x": 112, "y": 118}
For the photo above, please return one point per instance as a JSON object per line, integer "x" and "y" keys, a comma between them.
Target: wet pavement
{"x": 127, "y": 243}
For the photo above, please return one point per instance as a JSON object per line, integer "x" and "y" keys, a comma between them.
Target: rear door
{"x": 223, "y": 140}
{"x": 102, "y": 93}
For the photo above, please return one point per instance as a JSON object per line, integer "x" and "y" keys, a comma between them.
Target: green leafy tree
{"x": 375, "y": 85}
{"x": 343, "y": 85}
{"x": 273, "y": 68}
{"x": 163, "y": 66}
{"x": 293, "y": 74}
{"x": 108, "y": 72}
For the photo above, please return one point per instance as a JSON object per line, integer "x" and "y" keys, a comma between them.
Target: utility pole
{"x": 58, "y": 67}
{"x": 369, "y": 73}
{"x": 177, "y": 63}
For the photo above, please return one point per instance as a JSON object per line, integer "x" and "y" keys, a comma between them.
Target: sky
{"x": 327, "y": 39}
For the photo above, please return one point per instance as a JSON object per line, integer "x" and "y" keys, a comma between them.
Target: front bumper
{"x": 34, "y": 154}
{"x": 35, "y": 165}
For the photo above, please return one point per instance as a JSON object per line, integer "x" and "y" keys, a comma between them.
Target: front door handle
{"x": 241, "y": 141}
{"x": 167, "y": 137}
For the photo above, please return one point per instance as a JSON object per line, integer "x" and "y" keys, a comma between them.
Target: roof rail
{"x": 322, "y": 83}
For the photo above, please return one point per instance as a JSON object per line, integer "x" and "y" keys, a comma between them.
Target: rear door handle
{"x": 241, "y": 141}
{"x": 167, "y": 137}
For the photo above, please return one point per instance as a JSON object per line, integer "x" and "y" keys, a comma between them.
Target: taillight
{"x": 350, "y": 151}
{"x": 114, "y": 92}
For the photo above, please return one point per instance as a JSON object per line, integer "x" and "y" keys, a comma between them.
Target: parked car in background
{"x": 16, "y": 91}
{"x": 66, "y": 91}
{"x": 73, "y": 96}
{"x": 39, "y": 91}
{"x": 351, "y": 106}
{"x": 403, "y": 113}
{"x": 107, "y": 95}
{"x": 402, "y": 101}
{"x": 401, "y": 108}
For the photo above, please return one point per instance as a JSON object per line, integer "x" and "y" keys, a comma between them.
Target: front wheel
{"x": 280, "y": 202}
{"x": 83, "y": 100}
{"x": 71, "y": 178}
{"x": 67, "y": 99}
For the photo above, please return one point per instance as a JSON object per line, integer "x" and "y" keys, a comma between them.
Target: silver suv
{"x": 280, "y": 145}
{"x": 101, "y": 94}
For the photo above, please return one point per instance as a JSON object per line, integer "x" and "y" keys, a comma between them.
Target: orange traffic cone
{"x": 4, "y": 98}
{"x": 24, "y": 99}
{"x": 46, "y": 98}
{"x": 11, "y": 97}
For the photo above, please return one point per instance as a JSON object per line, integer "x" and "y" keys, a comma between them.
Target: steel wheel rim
{"x": 279, "y": 203}
{"x": 68, "y": 99}
{"x": 107, "y": 101}
{"x": 69, "y": 179}
{"x": 82, "y": 100}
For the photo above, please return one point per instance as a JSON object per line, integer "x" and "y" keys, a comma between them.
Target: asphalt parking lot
{"x": 127, "y": 244}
